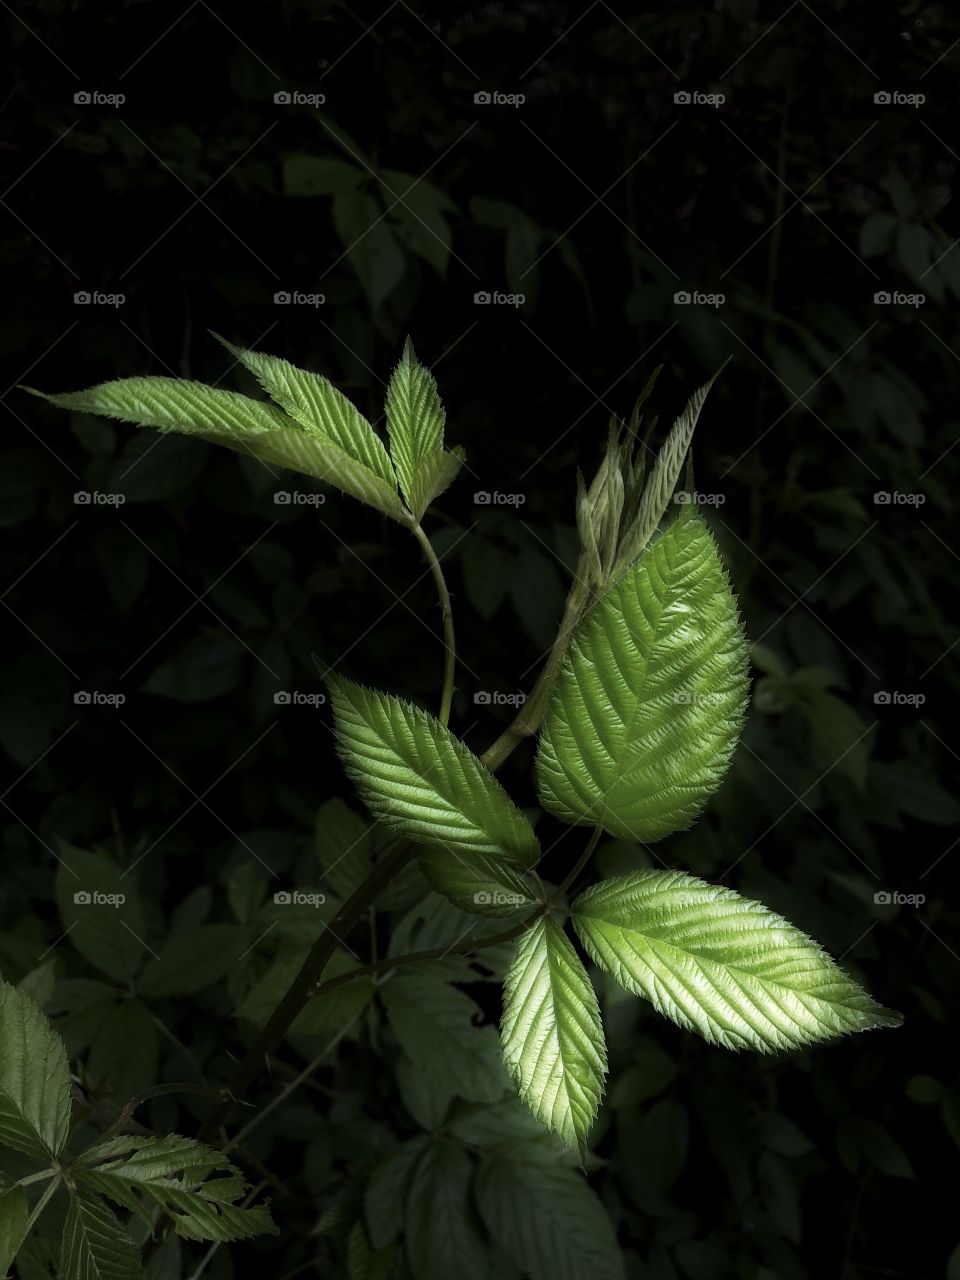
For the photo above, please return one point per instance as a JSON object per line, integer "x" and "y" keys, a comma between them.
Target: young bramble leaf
{"x": 243, "y": 424}
{"x": 649, "y": 703}
{"x": 34, "y": 1078}
{"x": 721, "y": 965}
{"x": 419, "y": 779}
{"x": 661, "y": 482}
{"x": 415, "y": 419}
{"x": 552, "y": 1035}
{"x": 95, "y": 1246}
{"x": 316, "y": 404}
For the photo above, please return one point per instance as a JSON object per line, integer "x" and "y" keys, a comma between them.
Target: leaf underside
{"x": 718, "y": 964}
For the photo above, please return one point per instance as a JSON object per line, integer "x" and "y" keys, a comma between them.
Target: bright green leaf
{"x": 415, "y": 418}
{"x": 649, "y": 703}
{"x": 552, "y": 1035}
{"x": 419, "y": 779}
{"x": 718, "y": 964}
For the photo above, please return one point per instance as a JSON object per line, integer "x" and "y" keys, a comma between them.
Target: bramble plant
{"x": 639, "y": 708}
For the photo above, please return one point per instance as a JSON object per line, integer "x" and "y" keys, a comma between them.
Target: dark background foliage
{"x": 798, "y": 198}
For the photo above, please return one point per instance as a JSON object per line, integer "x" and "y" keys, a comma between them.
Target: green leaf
{"x": 14, "y": 1212}
{"x": 718, "y": 964}
{"x": 441, "y": 1237}
{"x": 174, "y": 1172}
{"x": 415, "y": 418}
{"x": 386, "y": 1192}
{"x": 344, "y": 842}
{"x": 305, "y": 175}
{"x": 649, "y": 703}
{"x": 95, "y": 1246}
{"x": 418, "y": 209}
{"x": 419, "y": 779}
{"x": 316, "y": 405}
{"x": 194, "y": 960}
{"x": 101, "y": 911}
{"x": 369, "y": 243}
{"x": 34, "y": 1078}
{"x": 548, "y": 1220}
{"x": 246, "y": 425}
{"x": 435, "y": 1025}
{"x": 552, "y": 1034}
{"x": 661, "y": 482}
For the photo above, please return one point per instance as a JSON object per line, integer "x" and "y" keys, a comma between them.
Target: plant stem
{"x": 530, "y": 716}
{"x": 39, "y": 1207}
{"x": 435, "y": 953}
{"x": 446, "y": 612}
{"x": 580, "y": 863}
{"x": 304, "y": 984}
{"x": 36, "y": 1177}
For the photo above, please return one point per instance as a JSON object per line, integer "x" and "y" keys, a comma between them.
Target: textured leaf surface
{"x": 415, "y": 420}
{"x": 246, "y": 425}
{"x": 552, "y": 1035}
{"x": 95, "y": 1246}
{"x": 662, "y": 481}
{"x": 316, "y": 404}
{"x": 442, "y": 1239}
{"x": 419, "y": 779}
{"x": 649, "y": 703}
{"x": 175, "y": 1173}
{"x": 721, "y": 965}
{"x": 34, "y": 1078}
{"x": 548, "y": 1220}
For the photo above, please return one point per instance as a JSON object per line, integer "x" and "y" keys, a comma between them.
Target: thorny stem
{"x": 307, "y": 982}
{"x": 446, "y": 612}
